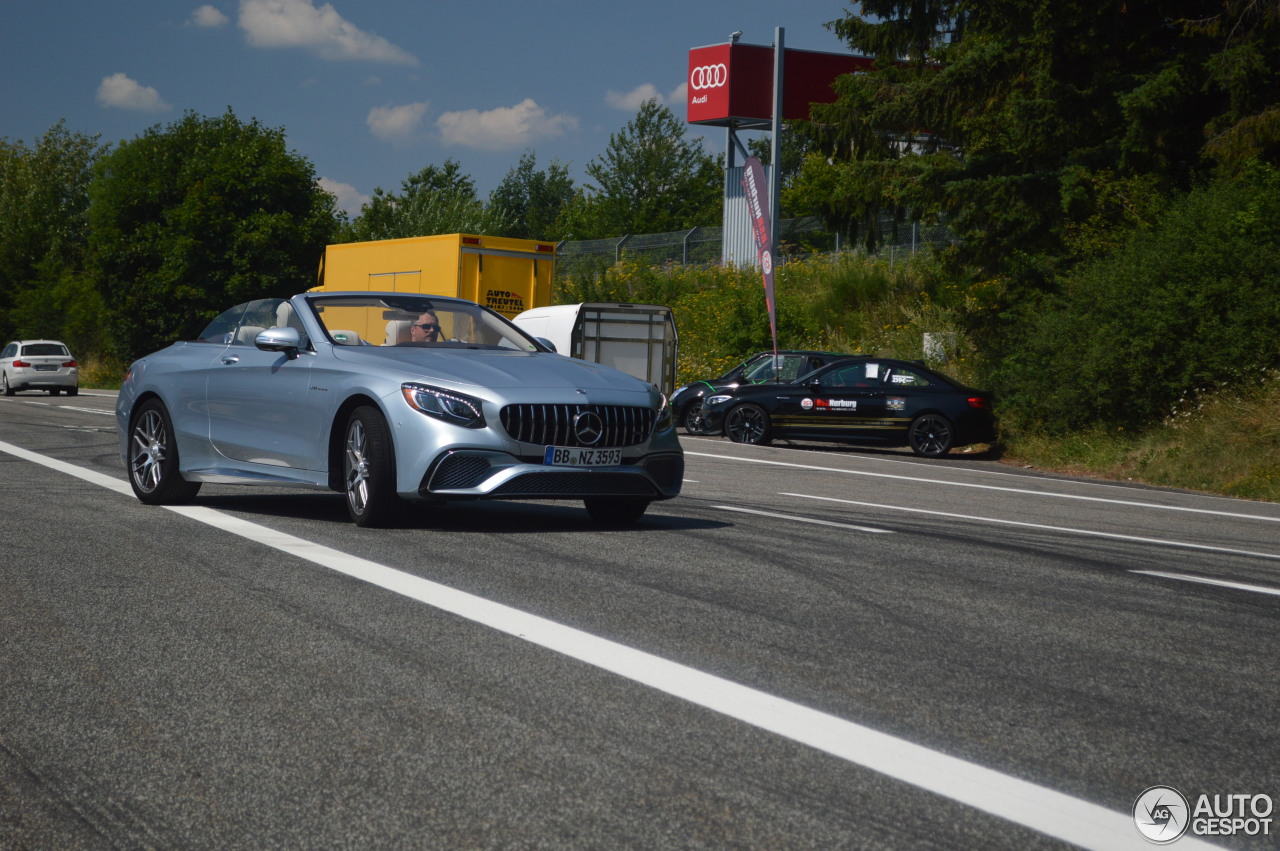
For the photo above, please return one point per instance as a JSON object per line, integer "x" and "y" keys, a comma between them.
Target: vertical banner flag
{"x": 753, "y": 186}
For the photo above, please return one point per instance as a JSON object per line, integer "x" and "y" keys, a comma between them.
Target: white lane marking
{"x": 1029, "y": 804}
{"x": 1027, "y": 491}
{"x": 906, "y": 461}
{"x": 102, "y": 480}
{"x": 1112, "y": 535}
{"x": 1204, "y": 580}
{"x": 69, "y": 408}
{"x": 84, "y": 410}
{"x": 778, "y": 516}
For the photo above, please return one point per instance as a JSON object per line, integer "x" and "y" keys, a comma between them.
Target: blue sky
{"x": 372, "y": 91}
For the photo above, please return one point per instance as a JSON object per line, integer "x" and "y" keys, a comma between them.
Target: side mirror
{"x": 544, "y": 341}
{"x": 286, "y": 340}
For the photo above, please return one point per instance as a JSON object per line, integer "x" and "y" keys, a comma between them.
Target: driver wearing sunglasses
{"x": 426, "y": 329}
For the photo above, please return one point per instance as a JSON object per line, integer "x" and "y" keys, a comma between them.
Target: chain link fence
{"x": 703, "y": 245}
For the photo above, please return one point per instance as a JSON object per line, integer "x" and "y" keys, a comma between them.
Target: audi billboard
{"x": 732, "y": 84}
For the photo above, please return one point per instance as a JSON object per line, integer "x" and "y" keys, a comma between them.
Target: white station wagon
{"x": 38, "y": 365}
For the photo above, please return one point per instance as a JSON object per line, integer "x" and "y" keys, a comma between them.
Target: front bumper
{"x": 713, "y": 417}
{"x": 481, "y": 474}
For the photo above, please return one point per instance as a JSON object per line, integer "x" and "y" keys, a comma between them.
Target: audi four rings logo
{"x": 708, "y": 77}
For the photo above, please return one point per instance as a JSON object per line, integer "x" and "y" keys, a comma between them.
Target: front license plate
{"x": 573, "y": 456}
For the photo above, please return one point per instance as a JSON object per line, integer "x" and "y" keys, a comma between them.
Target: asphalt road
{"x": 812, "y": 648}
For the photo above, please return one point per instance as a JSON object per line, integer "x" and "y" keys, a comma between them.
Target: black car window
{"x": 852, "y": 375}
{"x": 790, "y": 367}
{"x": 902, "y": 377}
{"x": 55, "y": 349}
{"x": 9, "y": 350}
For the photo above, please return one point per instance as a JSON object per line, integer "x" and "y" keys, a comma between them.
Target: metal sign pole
{"x": 775, "y": 144}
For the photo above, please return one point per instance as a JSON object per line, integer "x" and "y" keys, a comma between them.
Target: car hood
{"x": 492, "y": 368}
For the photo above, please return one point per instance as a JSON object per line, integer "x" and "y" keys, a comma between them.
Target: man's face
{"x": 426, "y": 329}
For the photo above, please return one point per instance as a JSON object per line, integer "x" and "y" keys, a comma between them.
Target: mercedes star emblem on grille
{"x": 588, "y": 427}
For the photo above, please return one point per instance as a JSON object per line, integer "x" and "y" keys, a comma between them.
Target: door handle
{"x": 230, "y": 359}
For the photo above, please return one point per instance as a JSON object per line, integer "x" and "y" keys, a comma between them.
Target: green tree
{"x": 43, "y": 224}
{"x": 998, "y": 114}
{"x": 650, "y": 179}
{"x": 531, "y": 200}
{"x": 1185, "y": 304}
{"x": 432, "y": 200}
{"x": 794, "y": 150}
{"x": 189, "y": 219}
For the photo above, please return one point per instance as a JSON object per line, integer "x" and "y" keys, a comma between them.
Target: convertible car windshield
{"x": 375, "y": 320}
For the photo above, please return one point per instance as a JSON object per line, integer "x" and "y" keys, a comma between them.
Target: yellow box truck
{"x": 508, "y": 275}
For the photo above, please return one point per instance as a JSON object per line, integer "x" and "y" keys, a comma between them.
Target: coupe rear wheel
{"x": 931, "y": 435}
{"x": 748, "y": 424}
{"x": 369, "y": 470}
{"x": 153, "y": 458}
{"x": 616, "y": 511}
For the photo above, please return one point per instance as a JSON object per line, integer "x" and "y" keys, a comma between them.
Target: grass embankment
{"x": 1225, "y": 442}
{"x": 1229, "y": 444}
{"x": 101, "y": 373}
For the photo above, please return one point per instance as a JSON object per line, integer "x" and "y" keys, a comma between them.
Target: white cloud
{"x": 632, "y": 100}
{"x": 396, "y": 123}
{"x": 208, "y": 16}
{"x": 506, "y": 127}
{"x": 121, "y": 92}
{"x": 298, "y": 23}
{"x": 680, "y": 94}
{"x": 349, "y": 198}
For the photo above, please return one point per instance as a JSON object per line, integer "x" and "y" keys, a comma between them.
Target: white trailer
{"x": 638, "y": 339}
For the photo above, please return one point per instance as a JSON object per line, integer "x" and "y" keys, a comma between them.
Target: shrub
{"x": 1193, "y": 302}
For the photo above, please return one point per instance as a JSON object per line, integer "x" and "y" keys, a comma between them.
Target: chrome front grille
{"x": 553, "y": 425}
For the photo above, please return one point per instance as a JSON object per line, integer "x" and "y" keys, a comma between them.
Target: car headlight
{"x": 664, "y": 415}
{"x": 447, "y": 405}
{"x": 716, "y": 400}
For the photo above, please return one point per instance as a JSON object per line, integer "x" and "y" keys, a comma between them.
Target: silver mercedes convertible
{"x": 392, "y": 398}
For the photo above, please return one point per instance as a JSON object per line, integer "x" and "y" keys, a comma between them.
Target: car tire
{"x": 692, "y": 419}
{"x": 748, "y": 424}
{"x": 5, "y": 387}
{"x": 616, "y": 511}
{"x": 153, "y": 458}
{"x": 73, "y": 391}
{"x": 931, "y": 435}
{"x": 369, "y": 470}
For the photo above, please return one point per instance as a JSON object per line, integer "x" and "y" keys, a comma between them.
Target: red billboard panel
{"x": 733, "y": 83}
{"x": 730, "y": 81}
